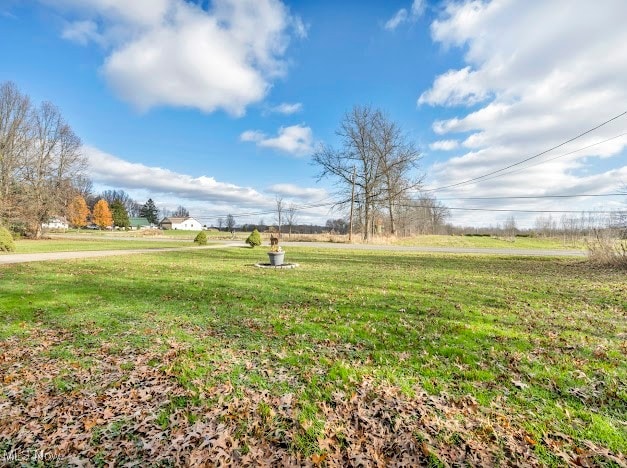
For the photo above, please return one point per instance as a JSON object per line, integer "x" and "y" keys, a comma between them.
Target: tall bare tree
{"x": 181, "y": 212}
{"x": 279, "y": 212}
{"x": 399, "y": 159}
{"x": 130, "y": 205}
{"x": 381, "y": 158}
{"x": 230, "y": 223}
{"x": 54, "y": 160}
{"x": 15, "y": 135}
{"x": 356, "y": 155}
{"x": 290, "y": 217}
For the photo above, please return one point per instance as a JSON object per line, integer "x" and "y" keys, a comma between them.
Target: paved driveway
{"x": 41, "y": 257}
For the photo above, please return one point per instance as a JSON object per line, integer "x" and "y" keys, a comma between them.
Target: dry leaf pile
{"x": 116, "y": 414}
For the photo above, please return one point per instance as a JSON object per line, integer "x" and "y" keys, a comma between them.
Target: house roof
{"x": 177, "y": 220}
{"x": 139, "y": 221}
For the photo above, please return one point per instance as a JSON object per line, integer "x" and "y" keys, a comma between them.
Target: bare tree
{"x": 15, "y": 136}
{"x": 545, "y": 226}
{"x": 112, "y": 196}
{"x": 180, "y": 212}
{"x": 510, "y": 227}
{"x": 398, "y": 159}
{"x": 54, "y": 160}
{"x": 84, "y": 187}
{"x": 230, "y": 223}
{"x": 290, "y": 217}
{"x": 376, "y": 151}
{"x": 356, "y": 155}
{"x": 220, "y": 223}
{"x": 279, "y": 211}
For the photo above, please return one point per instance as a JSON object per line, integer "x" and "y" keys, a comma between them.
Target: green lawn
{"x": 81, "y": 244}
{"x": 177, "y": 357}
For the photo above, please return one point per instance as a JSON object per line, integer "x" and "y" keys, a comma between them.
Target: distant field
{"x": 489, "y": 242}
{"x": 398, "y": 357}
{"x": 417, "y": 241}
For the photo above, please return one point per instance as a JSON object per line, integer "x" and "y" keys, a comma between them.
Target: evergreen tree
{"x": 119, "y": 214}
{"x": 254, "y": 239}
{"x": 150, "y": 212}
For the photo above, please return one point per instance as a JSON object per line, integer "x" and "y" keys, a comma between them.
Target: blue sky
{"x": 218, "y": 105}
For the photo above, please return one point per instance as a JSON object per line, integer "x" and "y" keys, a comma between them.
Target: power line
{"x": 535, "y": 211}
{"x": 268, "y": 212}
{"x": 515, "y": 171}
{"x": 537, "y": 196}
{"x": 529, "y": 158}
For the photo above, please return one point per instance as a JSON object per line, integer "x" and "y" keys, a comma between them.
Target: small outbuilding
{"x": 56, "y": 222}
{"x": 182, "y": 224}
{"x": 140, "y": 223}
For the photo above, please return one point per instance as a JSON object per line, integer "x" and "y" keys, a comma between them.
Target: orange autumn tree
{"x": 78, "y": 212}
{"x": 102, "y": 214}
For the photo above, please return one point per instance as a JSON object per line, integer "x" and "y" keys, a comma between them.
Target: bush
{"x": 201, "y": 238}
{"x": 254, "y": 239}
{"x": 606, "y": 249}
{"x": 6, "y": 240}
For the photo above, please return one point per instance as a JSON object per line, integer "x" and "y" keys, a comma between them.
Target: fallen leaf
{"x": 519, "y": 384}
{"x": 317, "y": 459}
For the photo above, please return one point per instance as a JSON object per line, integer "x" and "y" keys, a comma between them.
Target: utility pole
{"x": 350, "y": 229}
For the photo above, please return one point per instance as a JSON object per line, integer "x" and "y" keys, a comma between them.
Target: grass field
{"x": 490, "y": 242}
{"x": 355, "y": 357}
{"x": 79, "y": 244}
{"x": 418, "y": 241}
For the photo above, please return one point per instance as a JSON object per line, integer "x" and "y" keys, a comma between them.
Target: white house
{"x": 182, "y": 224}
{"x": 56, "y": 222}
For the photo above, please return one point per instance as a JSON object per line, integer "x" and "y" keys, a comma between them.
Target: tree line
{"x": 43, "y": 172}
{"x": 41, "y": 164}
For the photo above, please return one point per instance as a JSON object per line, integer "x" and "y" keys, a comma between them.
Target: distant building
{"x": 140, "y": 223}
{"x": 56, "y": 222}
{"x": 182, "y": 224}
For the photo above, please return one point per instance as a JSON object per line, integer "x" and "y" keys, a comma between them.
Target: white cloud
{"x": 536, "y": 74}
{"x": 108, "y": 169}
{"x": 206, "y": 198}
{"x": 300, "y": 28}
{"x": 82, "y": 32}
{"x": 294, "y": 191}
{"x": 455, "y": 87}
{"x": 174, "y": 53}
{"x": 296, "y": 140}
{"x": 252, "y": 135}
{"x": 444, "y": 145}
{"x": 287, "y": 108}
{"x": 402, "y": 15}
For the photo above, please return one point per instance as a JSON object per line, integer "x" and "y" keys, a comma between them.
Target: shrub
{"x": 201, "y": 238}
{"x": 6, "y": 240}
{"x": 607, "y": 249}
{"x": 254, "y": 239}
